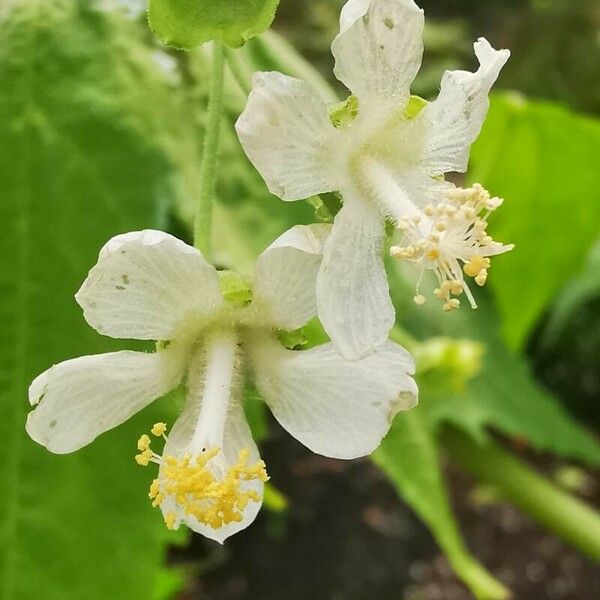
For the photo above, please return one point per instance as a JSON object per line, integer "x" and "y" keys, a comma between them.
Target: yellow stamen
{"x": 481, "y": 278}
{"x": 143, "y": 458}
{"x": 452, "y": 304}
{"x": 143, "y": 443}
{"x": 199, "y": 493}
{"x": 170, "y": 519}
{"x": 475, "y": 265}
{"x": 158, "y": 429}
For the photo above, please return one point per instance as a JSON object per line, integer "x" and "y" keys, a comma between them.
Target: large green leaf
{"x": 80, "y": 161}
{"x": 188, "y": 23}
{"x": 539, "y": 157}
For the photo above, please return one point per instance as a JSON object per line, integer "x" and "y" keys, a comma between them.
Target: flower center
{"x": 198, "y": 486}
{"x": 448, "y": 234}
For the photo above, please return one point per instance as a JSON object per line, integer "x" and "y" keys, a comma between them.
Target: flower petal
{"x": 79, "y": 399}
{"x": 209, "y": 373}
{"x": 353, "y": 299}
{"x": 455, "y": 118}
{"x": 379, "y": 49}
{"x": 286, "y": 133}
{"x": 147, "y": 285}
{"x": 286, "y": 273}
{"x": 334, "y": 407}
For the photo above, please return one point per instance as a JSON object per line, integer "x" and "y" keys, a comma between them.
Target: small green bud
{"x": 236, "y": 288}
{"x": 448, "y": 362}
{"x": 344, "y": 112}
{"x": 415, "y": 105}
{"x": 326, "y": 205}
{"x": 293, "y": 340}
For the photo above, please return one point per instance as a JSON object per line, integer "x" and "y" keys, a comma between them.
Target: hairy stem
{"x": 208, "y": 167}
{"x": 568, "y": 517}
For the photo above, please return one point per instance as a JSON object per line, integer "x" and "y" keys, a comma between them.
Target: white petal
{"x": 379, "y": 50}
{"x": 79, "y": 399}
{"x": 455, "y": 118}
{"x": 336, "y": 408}
{"x": 351, "y": 11}
{"x": 234, "y": 433}
{"x": 286, "y": 132}
{"x": 148, "y": 285}
{"x": 353, "y": 299}
{"x": 286, "y": 274}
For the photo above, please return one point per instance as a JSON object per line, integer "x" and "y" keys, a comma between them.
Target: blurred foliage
{"x": 573, "y": 323}
{"x": 81, "y": 160}
{"x": 537, "y": 156}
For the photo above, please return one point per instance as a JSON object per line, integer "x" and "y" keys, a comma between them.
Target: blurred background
{"x": 477, "y": 491}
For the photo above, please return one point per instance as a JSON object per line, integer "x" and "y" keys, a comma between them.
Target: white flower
{"x": 384, "y": 151}
{"x": 149, "y": 285}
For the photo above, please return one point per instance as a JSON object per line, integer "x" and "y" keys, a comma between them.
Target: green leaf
{"x": 409, "y": 456}
{"x": 504, "y": 395}
{"x": 582, "y": 288}
{"x": 537, "y": 156}
{"x": 82, "y": 160}
{"x": 188, "y": 23}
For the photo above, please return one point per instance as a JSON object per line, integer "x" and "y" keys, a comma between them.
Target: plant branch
{"x": 567, "y": 516}
{"x": 210, "y": 154}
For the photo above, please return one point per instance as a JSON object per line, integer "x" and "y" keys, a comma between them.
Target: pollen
{"x": 451, "y": 240}
{"x": 143, "y": 443}
{"x": 143, "y": 458}
{"x": 146, "y": 455}
{"x": 159, "y": 429}
{"x": 201, "y": 489}
{"x": 170, "y": 520}
{"x": 475, "y": 265}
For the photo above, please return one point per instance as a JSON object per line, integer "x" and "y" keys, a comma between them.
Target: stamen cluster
{"x": 199, "y": 487}
{"x": 443, "y": 236}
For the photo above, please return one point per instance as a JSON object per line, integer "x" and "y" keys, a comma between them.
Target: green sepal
{"x": 185, "y": 24}
{"x": 326, "y": 206}
{"x": 345, "y": 112}
{"x": 415, "y": 105}
{"x": 236, "y": 288}
{"x": 293, "y": 340}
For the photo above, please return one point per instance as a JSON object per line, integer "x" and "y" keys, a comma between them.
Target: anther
{"x": 158, "y": 429}
{"x": 143, "y": 443}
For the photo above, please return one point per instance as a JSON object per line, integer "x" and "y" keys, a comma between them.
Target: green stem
{"x": 210, "y": 154}
{"x": 568, "y": 517}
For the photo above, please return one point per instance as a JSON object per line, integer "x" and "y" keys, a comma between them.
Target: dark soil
{"x": 347, "y": 536}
